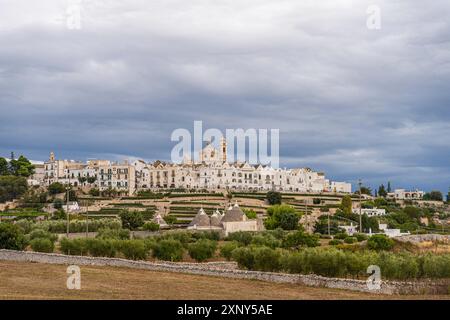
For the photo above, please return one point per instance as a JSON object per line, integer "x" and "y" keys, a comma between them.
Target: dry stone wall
{"x": 229, "y": 270}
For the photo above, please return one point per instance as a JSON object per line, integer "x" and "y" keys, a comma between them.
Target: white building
{"x": 402, "y": 194}
{"x": 374, "y": 212}
{"x": 212, "y": 172}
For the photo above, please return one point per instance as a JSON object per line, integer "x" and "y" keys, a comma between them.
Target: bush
{"x": 102, "y": 247}
{"x": 211, "y": 235}
{"x": 267, "y": 240}
{"x": 131, "y": 219}
{"x": 133, "y": 249}
{"x": 169, "y": 250}
{"x": 56, "y": 188}
{"x": 76, "y": 247}
{"x": 360, "y": 236}
{"x": 244, "y": 238}
{"x": 202, "y": 249}
{"x": 117, "y": 234}
{"x": 273, "y": 197}
{"x": 266, "y": 259}
{"x": 335, "y": 242}
{"x": 11, "y": 237}
{"x": 436, "y": 266}
{"x": 244, "y": 257}
{"x": 226, "y": 250}
{"x": 300, "y": 239}
{"x": 40, "y": 233}
{"x": 340, "y": 236}
{"x": 282, "y": 216}
{"x": 350, "y": 240}
{"x": 151, "y": 226}
{"x": 42, "y": 245}
{"x": 380, "y": 242}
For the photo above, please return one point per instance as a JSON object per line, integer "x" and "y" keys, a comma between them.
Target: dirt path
{"x": 22, "y": 280}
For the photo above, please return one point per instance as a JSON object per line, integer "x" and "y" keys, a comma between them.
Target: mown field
{"x": 22, "y": 280}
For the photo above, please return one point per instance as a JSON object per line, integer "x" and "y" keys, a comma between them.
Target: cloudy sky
{"x": 349, "y": 101}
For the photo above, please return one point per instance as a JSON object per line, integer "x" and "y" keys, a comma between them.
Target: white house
{"x": 374, "y": 212}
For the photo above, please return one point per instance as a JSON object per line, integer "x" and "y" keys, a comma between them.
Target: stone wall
{"x": 229, "y": 270}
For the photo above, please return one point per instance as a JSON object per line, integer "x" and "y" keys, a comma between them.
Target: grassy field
{"x": 23, "y": 280}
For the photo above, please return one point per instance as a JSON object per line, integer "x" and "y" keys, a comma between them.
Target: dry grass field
{"x": 20, "y": 280}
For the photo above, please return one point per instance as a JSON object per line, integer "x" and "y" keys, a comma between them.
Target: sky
{"x": 351, "y": 101}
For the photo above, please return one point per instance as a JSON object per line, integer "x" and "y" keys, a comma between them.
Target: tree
{"x": 170, "y": 219}
{"x": 273, "y": 197}
{"x": 12, "y": 187}
{"x": 321, "y": 225}
{"x": 250, "y": 213}
{"x": 389, "y": 189}
{"x": 91, "y": 180}
{"x": 56, "y": 188}
{"x": 300, "y": 239}
{"x": 82, "y": 180}
{"x": 58, "y": 204}
{"x": 21, "y": 167}
{"x": 151, "y": 226}
{"x": 169, "y": 250}
{"x": 346, "y": 205}
{"x": 380, "y": 242}
{"x": 11, "y": 237}
{"x": 365, "y": 190}
{"x": 282, "y": 216}
{"x": 434, "y": 195}
{"x": 202, "y": 250}
{"x": 131, "y": 219}
{"x": 4, "y": 170}
{"x": 72, "y": 196}
{"x": 382, "y": 191}
{"x": 94, "y": 192}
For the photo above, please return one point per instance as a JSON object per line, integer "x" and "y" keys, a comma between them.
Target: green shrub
{"x": 380, "y": 242}
{"x": 436, "y": 266}
{"x": 169, "y": 250}
{"x": 335, "y": 242}
{"x": 117, "y": 234}
{"x": 360, "y": 236}
{"x": 244, "y": 257}
{"x": 226, "y": 250}
{"x": 266, "y": 259}
{"x": 244, "y": 238}
{"x": 42, "y": 245}
{"x": 340, "y": 236}
{"x": 300, "y": 239}
{"x": 11, "y": 237}
{"x": 131, "y": 219}
{"x": 133, "y": 249}
{"x": 76, "y": 247}
{"x": 211, "y": 235}
{"x": 267, "y": 240}
{"x": 350, "y": 240}
{"x": 102, "y": 247}
{"x": 202, "y": 249}
{"x": 151, "y": 226}
{"x": 40, "y": 233}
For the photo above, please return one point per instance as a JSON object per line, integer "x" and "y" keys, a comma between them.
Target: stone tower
{"x": 52, "y": 156}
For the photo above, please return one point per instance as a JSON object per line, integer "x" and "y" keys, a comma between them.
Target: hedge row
{"x": 333, "y": 262}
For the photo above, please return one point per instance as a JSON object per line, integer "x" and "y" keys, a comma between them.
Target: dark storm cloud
{"x": 348, "y": 101}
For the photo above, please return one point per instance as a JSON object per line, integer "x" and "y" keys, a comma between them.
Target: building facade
{"x": 212, "y": 172}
